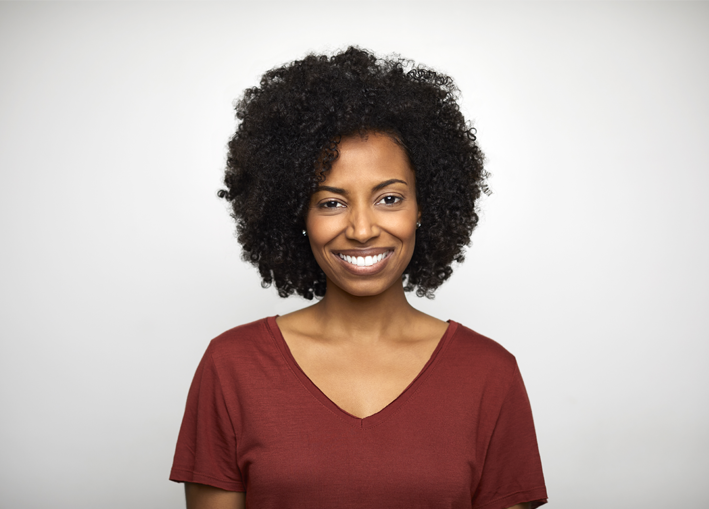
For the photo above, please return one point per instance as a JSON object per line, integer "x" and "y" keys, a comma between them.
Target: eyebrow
{"x": 339, "y": 190}
{"x": 388, "y": 183}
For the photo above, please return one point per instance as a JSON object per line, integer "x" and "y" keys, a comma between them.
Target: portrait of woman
{"x": 431, "y": 254}
{"x": 354, "y": 179}
{"x": 540, "y": 168}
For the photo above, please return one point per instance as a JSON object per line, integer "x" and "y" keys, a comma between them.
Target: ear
{"x": 418, "y": 214}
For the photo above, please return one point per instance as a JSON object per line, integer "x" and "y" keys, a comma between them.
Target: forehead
{"x": 371, "y": 157}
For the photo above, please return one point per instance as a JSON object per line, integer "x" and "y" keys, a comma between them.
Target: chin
{"x": 362, "y": 288}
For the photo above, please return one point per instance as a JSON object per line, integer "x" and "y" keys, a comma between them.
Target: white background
{"x": 118, "y": 263}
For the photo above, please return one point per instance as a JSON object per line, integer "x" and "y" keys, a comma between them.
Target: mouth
{"x": 364, "y": 261}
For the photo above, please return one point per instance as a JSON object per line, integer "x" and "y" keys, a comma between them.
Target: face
{"x": 362, "y": 219}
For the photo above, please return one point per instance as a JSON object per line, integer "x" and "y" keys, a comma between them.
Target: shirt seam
{"x": 528, "y": 490}
{"x": 360, "y": 424}
{"x": 226, "y": 406}
{"x": 194, "y": 473}
{"x": 515, "y": 372}
{"x": 420, "y": 380}
{"x": 297, "y": 377}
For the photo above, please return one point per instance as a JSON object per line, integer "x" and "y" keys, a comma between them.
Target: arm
{"x": 521, "y": 506}
{"x": 201, "y": 496}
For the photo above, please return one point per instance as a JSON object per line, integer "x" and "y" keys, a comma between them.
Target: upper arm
{"x": 201, "y": 496}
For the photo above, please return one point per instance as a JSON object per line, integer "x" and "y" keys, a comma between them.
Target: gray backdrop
{"x": 118, "y": 263}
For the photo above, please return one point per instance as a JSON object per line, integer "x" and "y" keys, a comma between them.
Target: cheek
{"x": 408, "y": 232}
{"x": 402, "y": 227}
{"x": 321, "y": 230}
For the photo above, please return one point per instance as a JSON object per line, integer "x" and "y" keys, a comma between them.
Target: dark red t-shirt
{"x": 460, "y": 436}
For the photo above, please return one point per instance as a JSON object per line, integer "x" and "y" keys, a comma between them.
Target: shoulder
{"x": 485, "y": 355}
{"x": 248, "y": 338}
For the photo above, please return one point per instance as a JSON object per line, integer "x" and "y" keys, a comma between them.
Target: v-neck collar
{"x": 374, "y": 419}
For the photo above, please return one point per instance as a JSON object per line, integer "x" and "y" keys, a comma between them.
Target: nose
{"x": 362, "y": 225}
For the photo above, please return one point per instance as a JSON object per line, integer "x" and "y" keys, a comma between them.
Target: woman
{"x": 354, "y": 181}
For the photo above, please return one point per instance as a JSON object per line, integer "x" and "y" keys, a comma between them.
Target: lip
{"x": 363, "y": 271}
{"x": 370, "y": 251}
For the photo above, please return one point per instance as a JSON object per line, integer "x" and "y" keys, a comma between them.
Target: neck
{"x": 367, "y": 318}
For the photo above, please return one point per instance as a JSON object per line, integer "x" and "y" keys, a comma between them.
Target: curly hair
{"x": 287, "y": 140}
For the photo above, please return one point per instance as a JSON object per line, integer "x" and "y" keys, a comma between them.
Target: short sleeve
{"x": 512, "y": 470}
{"x": 206, "y": 445}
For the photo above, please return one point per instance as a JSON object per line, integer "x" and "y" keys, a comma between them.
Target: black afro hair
{"x": 286, "y": 141}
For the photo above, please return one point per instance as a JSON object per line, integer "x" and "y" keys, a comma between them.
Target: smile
{"x": 364, "y": 261}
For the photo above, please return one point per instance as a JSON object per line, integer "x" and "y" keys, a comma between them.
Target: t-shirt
{"x": 460, "y": 435}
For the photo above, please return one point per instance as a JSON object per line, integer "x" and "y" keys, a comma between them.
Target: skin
{"x": 201, "y": 496}
{"x": 363, "y": 343}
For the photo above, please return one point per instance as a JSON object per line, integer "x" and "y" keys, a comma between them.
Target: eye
{"x": 330, "y": 204}
{"x": 390, "y": 200}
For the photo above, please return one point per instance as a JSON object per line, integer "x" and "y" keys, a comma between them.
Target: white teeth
{"x": 364, "y": 261}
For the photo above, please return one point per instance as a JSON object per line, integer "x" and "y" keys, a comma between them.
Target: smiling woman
{"x": 355, "y": 179}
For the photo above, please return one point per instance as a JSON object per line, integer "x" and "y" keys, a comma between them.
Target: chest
{"x": 363, "y": 381}
{"x": 422, "y": 450}
{"x": 358, "y": 468}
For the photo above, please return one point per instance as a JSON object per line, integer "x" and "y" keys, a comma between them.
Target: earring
{"x": 418, "y": 224}
{"x": 305, "y": 234}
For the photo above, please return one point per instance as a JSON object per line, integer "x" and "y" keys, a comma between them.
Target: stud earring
{"x": 305, "y": 234}
{"x": 418, "y": 224}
